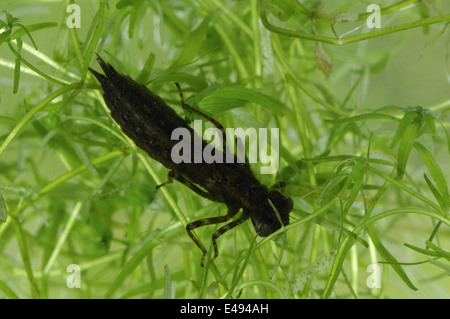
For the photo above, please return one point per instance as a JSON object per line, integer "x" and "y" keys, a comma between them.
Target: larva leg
{"x": 224, "y": 229}
{"x": 173, "y": 175}
{"x": 209, "y": 221}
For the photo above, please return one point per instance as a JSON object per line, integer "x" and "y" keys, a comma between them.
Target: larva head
{"x": 265, "y": 219}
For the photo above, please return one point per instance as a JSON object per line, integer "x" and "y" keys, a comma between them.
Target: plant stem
{"x": 355, "y": 38}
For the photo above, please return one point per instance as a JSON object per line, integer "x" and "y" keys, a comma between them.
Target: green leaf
{"x": 337, "y": 266}
{"x": 389, "y": 258}
{"x": 442, "y": 202}
{"x": 282, "y": 9}
{"x": 147, "y": 69}
{"x": 31, "y": 28}
{"x": 240, "y": 273}
{"x": 440, "y": 264}
{"x": 169, "y": 293}
{"x": 131, "y": 265}
{"x": 17, "y": 67}
{"x": 357, "y": 175}
{"x": 234, "y": 96}
{"x": 448, "y": 137}
{"x": 21, "y": 241}
{"x": 8, "y": 291}
{"x": 192, "y": 45}
{"x": 350, "y": 93}
{"x": 429, "y": 123}
{"x": 404, "y": 124}
{"x": 3, "y": 210}
{"x": 364, "y": 117}
{"x": 94, "y": 39}
{"x": 434, "y": 169}
{"x": 137, "y": 10}
{"x": 422, "y": 251}
{"x": 9, "y": 18}
{"x": 4, "y": 36}
{"x": 440, "y": 251}
{"x": 28, "y": 33}
{"x": 409, "y": 136}
{"x": 333, "y": 188}
{"x": 124, "y": 3}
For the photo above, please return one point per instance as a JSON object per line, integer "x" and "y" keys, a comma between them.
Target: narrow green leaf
{"x": 9, "y": 18}
{"x": 147, "y": 69}
{"x": 364, "y": 117}
{"x": 447, "y": 134}
{"x": 3, "y": 210}
{"x": 386, "y": 255}
{"x": 404, "y": 124}
{"x": 422, "y": 250}
{"x": 137, "y": 10}
{"x": 238, "y": 95}
{"x": 434, "y": 169}
{"x": 350, "y": 93}
{"x": 4, "y": 36}
{"x": 62, "y": 238}
{"x": 435, "y": 231}
{"x": 168, "y": 293}
{"x": 124, "y": 3}
{"x": 95, "y": 38}
{"x": 28, "y": 33}
{"x": 220, "y": 104}
{"x": 25, "y": 257}
{"x": 337, "y": 266}
{"x": 61, "y": 43}
{"x": 406, "y": 144}
{"x": 334, "y": 226}
{"x": 193, "y": 44}
{"x": 282, "y": 9}
{"x": 357, "y": 176}
{"x": 32, "y": 112}
{"x": 440, "y": 264}
{"x": 131, "y": 265}
{"x": 442, "y": 202}
{"x": 8, "y": 291}
{"x": 440, "y": 251}
{"x": 438, "y": 35}
{"x": 429, "y": 123}
{"x": 241, "y": 270}
{"x": 17, "y": 67}
{"x": 333, "y": 188}
{"x": 32, "y": 67}
{"x": 31, "y": 28}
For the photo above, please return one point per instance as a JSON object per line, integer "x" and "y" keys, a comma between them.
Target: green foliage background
{"x": 364, "y": 149}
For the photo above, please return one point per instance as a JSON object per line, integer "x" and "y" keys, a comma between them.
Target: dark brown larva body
{"x": 149, "y": 122}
